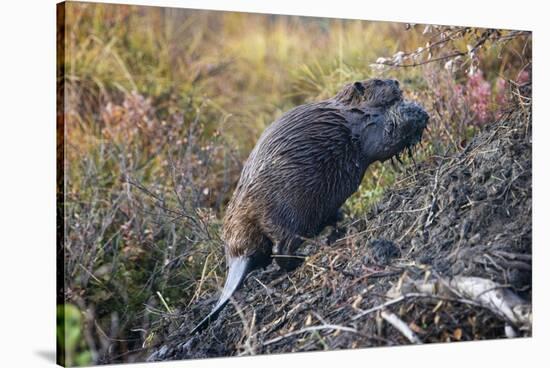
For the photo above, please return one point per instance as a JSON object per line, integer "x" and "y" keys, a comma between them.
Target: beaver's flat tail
{"x": 238, "y": 269}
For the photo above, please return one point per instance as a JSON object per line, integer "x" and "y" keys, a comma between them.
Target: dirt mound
{"x": 425, "y": 265}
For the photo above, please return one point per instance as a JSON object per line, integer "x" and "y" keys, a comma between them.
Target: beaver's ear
{"x": 359, "y": 87}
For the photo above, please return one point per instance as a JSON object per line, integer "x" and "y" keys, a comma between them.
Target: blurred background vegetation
{"x": 162, "y": 107}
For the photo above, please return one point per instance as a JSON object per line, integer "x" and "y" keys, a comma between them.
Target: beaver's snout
{"x": 410, "y": 120}
{"x": 401, "y": 126}
{"x": 412, "y": 113}
{"x": 414, "y": 120}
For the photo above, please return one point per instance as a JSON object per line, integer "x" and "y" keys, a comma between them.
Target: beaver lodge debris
{"x": 444, "y": 256}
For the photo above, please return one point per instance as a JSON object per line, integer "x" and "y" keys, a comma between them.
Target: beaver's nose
{"x": 419, "y": 115}
{"x": 413, "y": 113}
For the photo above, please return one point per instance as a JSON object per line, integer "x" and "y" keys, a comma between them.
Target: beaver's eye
{"x": 359, "y": 87}
{"x": 378, "y": 82}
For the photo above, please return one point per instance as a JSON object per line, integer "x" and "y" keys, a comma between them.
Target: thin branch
{"x": 311, "y": 328}
{"x": 401, "y": 326}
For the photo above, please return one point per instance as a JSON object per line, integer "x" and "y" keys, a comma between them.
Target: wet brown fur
{"x": 370, "y": 92}
{"x": 301, "y": 171}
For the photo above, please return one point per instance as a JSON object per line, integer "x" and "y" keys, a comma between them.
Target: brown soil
{"x": 466, "y": 214}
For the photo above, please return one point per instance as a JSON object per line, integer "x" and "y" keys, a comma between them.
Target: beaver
{"x": 303, "y": 168}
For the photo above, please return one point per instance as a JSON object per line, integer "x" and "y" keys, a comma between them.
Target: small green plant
{"x": 72, "y": 349}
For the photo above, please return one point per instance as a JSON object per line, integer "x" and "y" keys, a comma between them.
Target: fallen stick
{"x": 401, "y": 326}
{"x": 476, "y": 290}
{"x": 381, "y": 306}
{"x": 496, "y": 298}
{"x": 311, "y": 328}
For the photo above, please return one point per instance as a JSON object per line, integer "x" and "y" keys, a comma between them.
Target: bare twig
{"x": 311, "y": 328}
{"x": 386, "y": 304}
{"x": 401, "y": 326}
